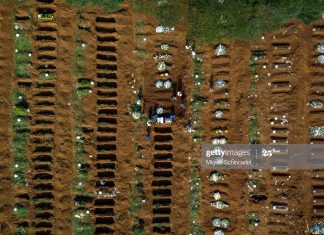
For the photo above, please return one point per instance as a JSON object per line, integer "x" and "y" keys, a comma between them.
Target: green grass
{"x": 194, "y": 199}
{"x": 246, "y": 19}
{"x": 198, "y": 100}
{"x": 82, "y": 177}
{"x": 83, "y": 84}
{"x": 107, "y": 5}
{"x": 81, "y": 3}
{"x": 50, "y": 75}
{"x": 169, "y": 14}
{"x": 138, "y": 230}
{"x": 22, "y": 58}
{"x": 82, "y": 226}
{"x": 135, "y": 107}
{"x": 253, "y": 217}
{"x": 79, "y": 70}
{"x": 21, "y": 231}
{"x": 253, "y": 133}
{"x": 212, "y": 21}
{"x": 21, "y": 211}
{"x": 79, "y": 58}
{"x": 137, "y": 195}
{"x": 21, "y": 133}
{"x": 111, "y": 5}
{"x": 141, "y": 54}
{"x": 140, "y": 26}
{"x": 256, "y": 55}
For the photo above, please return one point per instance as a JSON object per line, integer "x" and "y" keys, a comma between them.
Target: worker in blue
{"x": 148, "y": 137}
{"x": 171, "y": 116}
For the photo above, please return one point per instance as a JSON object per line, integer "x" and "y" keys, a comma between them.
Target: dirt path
{"x": 6, "y": 85}
{"x": 126, "y": 151}
{"x": 63, "y": 122}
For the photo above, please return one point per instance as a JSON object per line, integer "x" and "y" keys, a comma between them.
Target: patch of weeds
{"x": 138, "y": 230}
{"x": 137, "y": 196}
{"x": 79, "y": 70}
{"x": 81, "y": 3}
{"x": 253, "y": 133}
{"x": 253, "y": 219}
{"x": 197, "y": 100}
{"x": 136, "y": 204}
{"x": 139, "y": 26}
{"x": 79, "y": 184}
{"x": 21, "y": 231}
{"x": 111, "y": 5}
{"x": 47, "y": 75}
{"x": 81, "y": 223}
{"x": 138, "y": 150}
{"x": 20, "y": 118}
{"x": 23, "y": 51}
{"x": 169, "y": 13}
{"x": 141, "y": 54}
{"x": 83, "y": 84}
{"x": 255, "y": 182}
{"x": 79, "y": 58}
{"x": 83, "y": 92}
{"x": 212, "y": 20}
{"x": 256, "y": 55}
{"x": 136, "y": 107}
{"x": 194, "y": 199}
{"x": 81, "y": 219}
{"x": 21, "y": 211}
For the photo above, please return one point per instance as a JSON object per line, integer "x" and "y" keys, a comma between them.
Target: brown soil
{"x": 164, "y": 162}
{"x": 6, "y": 84}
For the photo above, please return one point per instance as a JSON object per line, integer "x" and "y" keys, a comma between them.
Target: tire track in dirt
{"x": 6, "y": 85}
